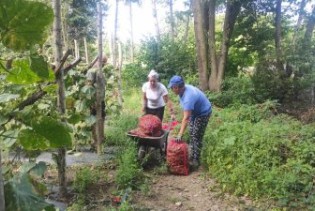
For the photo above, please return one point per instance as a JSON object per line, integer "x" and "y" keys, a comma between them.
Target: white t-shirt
{"x": 155, "y": 95}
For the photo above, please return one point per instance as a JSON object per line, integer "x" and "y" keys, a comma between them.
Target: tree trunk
{"x": 299, "y": 21}
{"x": 64, "y": 25}
{"x": 233, "y": 8}
{"x": 307, "y": 40}
{"x": 155, "y": 16}
{"x": 278, "y": 35}
{"x": 2, "y": 198}
{"x": 185, "y": 38}
{"x": 100, "y": 88}
{"x": 172, "y": 20}
{"x": 61, "y": 157}
{"x": 201, "y": 44}
{"x": 86, "y": 51}
{"x": 213, "y": 86}
{"x": 310, "y": 27}
{"x": 114, "y": 41}
{"x": 120, "y": 99}
{"x": 131, "y": 32}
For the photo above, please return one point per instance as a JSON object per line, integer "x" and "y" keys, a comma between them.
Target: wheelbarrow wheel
{"x": 141, "y": 152}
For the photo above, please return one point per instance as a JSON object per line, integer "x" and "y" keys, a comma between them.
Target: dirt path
{"x": 195, "y": 192}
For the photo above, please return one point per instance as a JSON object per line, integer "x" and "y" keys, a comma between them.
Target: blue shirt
{"x": 194, "y": 100}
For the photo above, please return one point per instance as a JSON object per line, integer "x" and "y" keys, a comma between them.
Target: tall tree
{"x": 2, "y": 200}
{"x": 310, "y": 27}
{"x": 188, "y": 20}
{"x": 207, "y": 47}
{"x": 57, "y": 38}
{"x": 129, "y": 3}
{"x": 218, "y": 61}
{"x": 172, "y": 19}
{"x": 278, "y": 34}
{"x": 115, "y": 38}
{"x": 201, "y": 42}
{"x": 301, "y": 13}
{"x": 80, "y": 23}
{"x": 131, "y": 32}
{"x": 100, "y": 81}
{"x": 155, "y": 16}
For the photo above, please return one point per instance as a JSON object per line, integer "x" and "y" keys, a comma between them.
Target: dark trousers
{"x": 197, "y": 129}
{"x": 159, "y": 112}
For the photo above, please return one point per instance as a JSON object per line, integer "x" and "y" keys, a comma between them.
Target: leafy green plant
{"x": 251, "y": 152}
{"x": 78, "y": 205}
{"x": 23, "y": 190}
{"x": 235, "y": 90}
{"x": 84, "y": 178}
{"x": 23, "y": 23}
{"x": 129, "y": 173}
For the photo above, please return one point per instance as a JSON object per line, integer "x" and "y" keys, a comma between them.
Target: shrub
{"x": 251, "y": 152}
{"x": 271, "y": 83}
{"x": 129, "y": 171}
{"x": 235, "y": 90}
{"x": 84, "y": 178}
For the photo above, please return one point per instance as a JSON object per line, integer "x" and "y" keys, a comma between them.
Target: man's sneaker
{"x": 194, "y": 165}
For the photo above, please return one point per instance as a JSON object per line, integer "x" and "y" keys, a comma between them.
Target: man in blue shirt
{"x": 197, "y": 111}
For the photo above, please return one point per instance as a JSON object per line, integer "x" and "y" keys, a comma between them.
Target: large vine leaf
{"x": 30, "y": 140}
{"x": 22, "y": 74}
{"x": 23, "y": 23}
{"x": 39, "y": 66}
{"x": 39, "y": 169}
{"x": 21, "y": 194}
{"x": 54, "y": 131}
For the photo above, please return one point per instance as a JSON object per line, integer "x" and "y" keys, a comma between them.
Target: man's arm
{"x": 184, "y": 123}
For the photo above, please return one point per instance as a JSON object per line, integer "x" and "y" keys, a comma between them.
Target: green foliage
{"x": 22, "y": 191}
{"x": 168, "y": 57}
{"x": 134, "y": 75}
{"x": 84, "y": 178}
{"x": 235, "y": 90}
{"x": 81, "y": 19}
{"x": 272, "y": 83}
{"x": 251, "y": 152}
{"x": 81, "y": 97}
{"x": 129, "y": 171}
{"x": 45, "y": 133}
{"x": 23, "y": 23}
{"x": 78, "y": 205}
{"x": 24, "y": 72}
{"x": 116, "y": 128}
{"x": 39, "y": 66}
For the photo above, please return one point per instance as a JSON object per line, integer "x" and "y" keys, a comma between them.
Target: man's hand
{"x": 178, "y": 138}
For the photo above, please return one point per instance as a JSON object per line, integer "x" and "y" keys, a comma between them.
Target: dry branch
{"x": 62, "y": 62}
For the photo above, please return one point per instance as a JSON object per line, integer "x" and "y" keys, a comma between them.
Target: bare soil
{"x": 164, "y": 192}
{"x": 195, "y": 192}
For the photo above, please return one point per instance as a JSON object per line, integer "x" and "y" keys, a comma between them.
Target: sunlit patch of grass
{"x": 132, "y": 102}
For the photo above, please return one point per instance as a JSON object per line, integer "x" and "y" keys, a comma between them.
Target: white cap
{"x": 153, "y": 74}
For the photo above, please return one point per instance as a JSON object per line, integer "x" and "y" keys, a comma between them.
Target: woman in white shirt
{"x": 155, "y": 97}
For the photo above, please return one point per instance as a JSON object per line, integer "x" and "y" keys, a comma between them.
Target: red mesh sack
{"x": 150, "y": 125}
{"x": 177, "y": 157}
